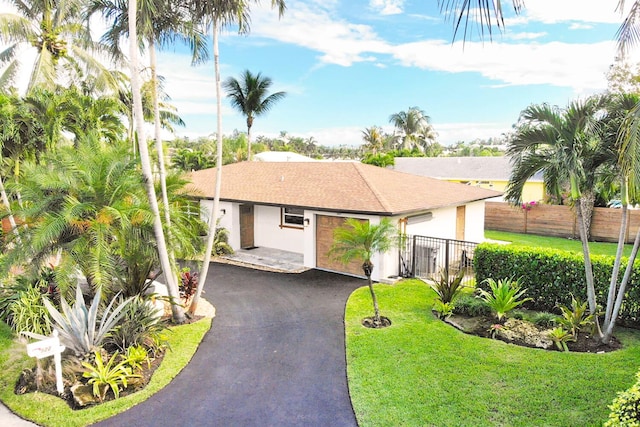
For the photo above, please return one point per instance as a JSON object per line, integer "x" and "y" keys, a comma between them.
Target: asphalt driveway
{"x": 274, "y": 356}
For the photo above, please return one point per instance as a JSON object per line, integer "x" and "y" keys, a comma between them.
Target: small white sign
{"x": 44, "y": 348}
{"x": 49, "y": 347}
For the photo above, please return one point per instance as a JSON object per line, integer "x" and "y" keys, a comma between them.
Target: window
{"x": 292, "y": 217}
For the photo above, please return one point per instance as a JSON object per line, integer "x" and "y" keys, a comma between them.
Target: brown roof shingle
{"x": 339, "y": 186}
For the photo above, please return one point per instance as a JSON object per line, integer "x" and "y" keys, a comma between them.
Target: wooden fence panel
{"x": 558, "y": 221}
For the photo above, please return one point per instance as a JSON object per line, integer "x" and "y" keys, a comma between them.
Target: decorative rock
{"x": 83, "y": 394}
{"x": 163, "y": 308}
{"x": 526, "y": 332}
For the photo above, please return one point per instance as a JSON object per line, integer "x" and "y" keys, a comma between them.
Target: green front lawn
{"x": 48, "y": 410}
{"x": 422, "y": 372}
{"x": 596, "y": 248}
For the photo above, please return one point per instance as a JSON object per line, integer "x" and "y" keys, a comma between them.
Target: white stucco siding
{"x": 442, "y": 224}
{"x": 474, "y": 222}
{"x": 269, "y": 234}
{"x": 229, "y": 218}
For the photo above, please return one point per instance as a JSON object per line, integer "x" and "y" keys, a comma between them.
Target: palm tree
{"x": 217, "y": 13}
{"x": 361, "y": 240}
{"x": 373, "y": 138}
{"x": 566, "y": 145}
{"x": 55, "y": 31}
{"x": 250, "y": 96}
{"x": 163, "y": 253}
{"x": 413, "y": 129}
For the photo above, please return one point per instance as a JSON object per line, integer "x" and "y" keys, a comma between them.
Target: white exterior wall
{"x": 268, "y": 233}
{"x": 474, "y": 222}
{"x": 442, "y": 224}
{"x": 230, "y": 219}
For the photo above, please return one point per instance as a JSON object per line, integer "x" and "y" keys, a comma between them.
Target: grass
{"x": 421, "y": 371}
{"x": 184, "y": 341}
{"x": 596, "y": 248}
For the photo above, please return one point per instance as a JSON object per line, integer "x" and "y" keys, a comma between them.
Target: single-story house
{"x": 484, "y": 172}
{"x": 296, "y": 206}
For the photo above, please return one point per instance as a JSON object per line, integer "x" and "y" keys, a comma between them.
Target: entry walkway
{"x": 267, "y": 259}
{"x": 275, "y": 356}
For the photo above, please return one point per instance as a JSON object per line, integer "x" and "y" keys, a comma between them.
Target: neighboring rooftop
{"x": 459, "y": 168}
{"x": 343, "y": 187}
{"x": 281, "y": 156}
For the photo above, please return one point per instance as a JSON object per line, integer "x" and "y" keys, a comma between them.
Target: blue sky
{"x": 350, "y": 64}
{"x": 347, "y": 65}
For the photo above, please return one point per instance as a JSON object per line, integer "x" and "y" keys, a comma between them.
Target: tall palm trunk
{"x": 157, "y": 136}
{"x": 588, "y": 268}
{"x": 213, "y": 217}
{"x": 249, "y": 124}
{"x": 172, "y": 288}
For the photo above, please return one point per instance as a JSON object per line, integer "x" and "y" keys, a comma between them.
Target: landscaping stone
{"x": 83, "y": 394}
{"x": 525, "y": 332}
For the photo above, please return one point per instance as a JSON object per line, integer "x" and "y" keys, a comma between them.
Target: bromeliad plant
{"x": 560, "y": 337}
{"x": 78, "y": 326}
{"x": 505, "y": 295}
{"x": 576, "y": 317}
{"x": 110, "y": 375}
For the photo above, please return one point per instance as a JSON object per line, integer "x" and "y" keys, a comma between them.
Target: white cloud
{"x": 524, "y": 36}
{"x": 579, "y": 66}
{"x": 578, "y": 26}
{"x": 387, "y": 7}
{"x": 594, "y": 11}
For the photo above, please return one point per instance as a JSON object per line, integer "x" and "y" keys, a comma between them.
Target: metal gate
{"x": 426, "y": 257}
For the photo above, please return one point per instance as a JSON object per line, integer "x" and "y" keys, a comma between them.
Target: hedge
{"x": 551, "y": 276}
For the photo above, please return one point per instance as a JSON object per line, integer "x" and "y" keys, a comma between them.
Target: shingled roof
{"x": 334, "y": 186}
{"x": 459, "y": 168}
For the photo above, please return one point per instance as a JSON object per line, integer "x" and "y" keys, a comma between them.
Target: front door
{"x": 246, "y": 226}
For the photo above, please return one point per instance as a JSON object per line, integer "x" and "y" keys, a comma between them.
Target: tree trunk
{"x": 616, "y": 265}
{"x": 588, "y": 269}
{"x": 158, "y": 137}
{"x": 587, "y": 201}
{"x": 213, "y": 217}
{"x": 249, "y": 143}
{"x": 172, "y": 288}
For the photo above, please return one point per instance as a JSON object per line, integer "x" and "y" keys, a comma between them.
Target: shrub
{"x": 470, "y": 305}
{"x": 221, "y": 244}
{"x": 188, "y": 283}
{"x": 443, "y": 309}
{"x": 447, "y": 287}
{"x": 625, "y": 408}
{"x": 138, "y": 326}
{"x": 78, "y": 326}
{"x": 544, "y": 319}
{"x": 505, "y": 295}
{"x": 29, "y": 314}
{"x": 553, "y": 276}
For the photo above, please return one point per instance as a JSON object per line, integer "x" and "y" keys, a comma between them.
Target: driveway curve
{"x": 274, "y": 356}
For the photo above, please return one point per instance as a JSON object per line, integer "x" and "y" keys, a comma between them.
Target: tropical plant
{"x": 625, "y": 408}
{"x": 78, "y": 326}
{"x": 221, "y": 244}
{"x": 136, "y": 356}
{"x": 250, "y": 96}
{"x": 413, "y": 129}
{"x": 544, "y": 319}
{"x": 576, "y": 317}
{"x": 448, "y": 288}
{"x": 443, "y": 309}
{"x": 107, "y": 376}
{"x": 361, "y": 240}
{"x": 29, "y": 314}
{"x": 504, "y": 296}
{"x": 470, "y": 305}
{"x": 140, "y": 325}
{"x": 61, "y": 43}
{"x": 560, "y": 337}
{"x": 188, "y": 283}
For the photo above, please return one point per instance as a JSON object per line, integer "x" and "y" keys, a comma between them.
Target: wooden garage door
{"x": 324, "y": 240}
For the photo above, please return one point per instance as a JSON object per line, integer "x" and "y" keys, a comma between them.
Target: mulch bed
{"x": 481, "y": 326}
{"x": 27, "y": 384}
